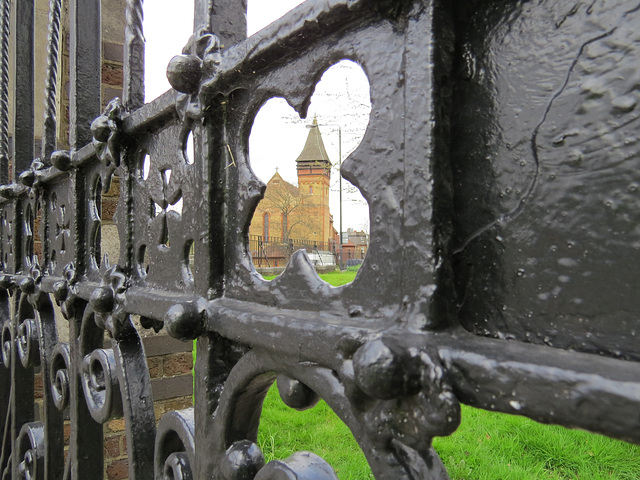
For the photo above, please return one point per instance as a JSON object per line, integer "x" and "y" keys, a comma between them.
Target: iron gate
{"x": 500, "y": 165}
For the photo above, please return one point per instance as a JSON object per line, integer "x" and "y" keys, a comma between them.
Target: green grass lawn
{"x": 487, "y": 446}
{"x": 334, "y": 278}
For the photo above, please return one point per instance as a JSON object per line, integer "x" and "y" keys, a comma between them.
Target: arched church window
{"x": 266, "y": 227}
{"x": 310, "y": 188}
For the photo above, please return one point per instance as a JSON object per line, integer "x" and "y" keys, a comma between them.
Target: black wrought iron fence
{"x": 500, "y": 165}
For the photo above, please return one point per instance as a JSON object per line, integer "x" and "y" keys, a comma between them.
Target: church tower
{"x": 314, "y": 176}
{"x": 302, "y": 212}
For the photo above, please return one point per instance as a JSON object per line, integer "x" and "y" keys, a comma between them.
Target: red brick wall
{"x": 171, "y": 380}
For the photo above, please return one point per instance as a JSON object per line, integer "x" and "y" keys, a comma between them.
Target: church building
{"x": 288, "y": 212}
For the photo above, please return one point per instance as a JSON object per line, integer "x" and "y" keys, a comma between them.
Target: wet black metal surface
{"x": 499, "y": 165}
{"x": 547, "y": 174}
{"x": 25, "y": 70}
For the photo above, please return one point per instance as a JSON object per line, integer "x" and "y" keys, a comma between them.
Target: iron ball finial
{"x": 184, "y": 321}
{"x": 184, "y": 73}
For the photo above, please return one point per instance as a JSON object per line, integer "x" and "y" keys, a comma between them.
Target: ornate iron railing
{"x": 500, "y": 167}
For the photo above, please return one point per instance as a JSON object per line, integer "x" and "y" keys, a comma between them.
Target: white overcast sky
{"x": 278, "y": 134}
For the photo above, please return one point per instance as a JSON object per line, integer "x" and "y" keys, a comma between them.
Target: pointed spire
{"x": 314, "y": 150}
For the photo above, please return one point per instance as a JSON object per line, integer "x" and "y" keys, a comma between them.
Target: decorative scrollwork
{"x": 185, "y": 72}
{"x": 415, "y": 403}
{"x": 107, "y": 139}
{"x": 60, "y": 290}
{"x": 175, "y": 446}
{"x": 12, "y": 191}
{"x": 386, "y": 371}
{"x": 108, "y": 299}
{"x": 6, "y": 474}
{"x": 28, "y": 343}
{"x": 64, "y": 291}
{"x": 100, "y": 385}
{"x": 246, "y": 386}
{"x": 31, "y": 451}
{"x": 59, "y": 375}
{"x": 7, "y": 343}
{"x": 31, "y": 177}
{"x": 177, "y": 466}
{"x": 30, "y": 283}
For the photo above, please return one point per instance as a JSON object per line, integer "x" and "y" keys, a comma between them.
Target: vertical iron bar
{"x": 51, "y": 417}
{"x": 22, "y": 382}
{"x": 86, "y": 454}
{"x": 132, "y": 98}
{"x": 53, "y": 43}
{"x": 85, "y": 54}
{"x": 227, "y": 20}
{"x": 216, "y": 356}
{"x": 340, "y": 189}
{"x": 23, "y": 139}
{"x": 137, "y": 401}
{"x": 202, "y": 14}
{"x": 5, "y": 391}
{"x": 4, "y": 92}
{"x": 86, "y": 59}
{"x": 427, "y": 65}
{"x": 133, "y": 90}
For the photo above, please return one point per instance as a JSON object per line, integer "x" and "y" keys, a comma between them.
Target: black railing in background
{"x": 276, "y": 251}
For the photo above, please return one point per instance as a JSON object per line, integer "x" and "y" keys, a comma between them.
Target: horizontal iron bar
{"x": 546, "y": 384}
{"x": 549, "y": 385}
{"x": 282, "y": 38}
{"x": 144, "y": 118}
{"x": 154, "y": 302}
{"x": 314, "y": 333}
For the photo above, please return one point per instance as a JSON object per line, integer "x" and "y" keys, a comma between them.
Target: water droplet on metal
{"x": 468, "y": 62}
{"x": 624, "y": 103}
{"x": 567, "y": 262}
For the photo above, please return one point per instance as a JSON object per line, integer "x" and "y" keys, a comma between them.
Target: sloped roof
{"x": 314, "y": 150}
{"x": 277, "y": 178}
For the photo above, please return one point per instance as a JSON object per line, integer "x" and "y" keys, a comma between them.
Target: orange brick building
{"x": 301, "y": 212}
